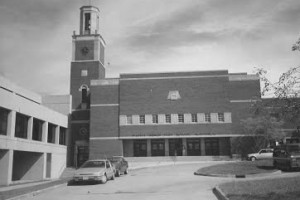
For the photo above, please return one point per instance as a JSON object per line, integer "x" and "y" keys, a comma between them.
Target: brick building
{"x": 151, "y": 114}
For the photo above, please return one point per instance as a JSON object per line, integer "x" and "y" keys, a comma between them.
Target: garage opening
{"x": 27, "y": 166}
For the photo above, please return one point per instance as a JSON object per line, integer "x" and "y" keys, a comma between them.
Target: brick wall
{"x": 104, "y": 116}
{"x": 197, "y": 95}
{"x": 95, "y": 71}
{"x": 244, "y": 90}
{"x": 105, "y": 148}
{"x": 180, "y": 129}
{"x": 104, "y": 121}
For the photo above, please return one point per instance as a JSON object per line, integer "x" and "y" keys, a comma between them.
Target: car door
{"x": 109, "y": 169}
{"x": 262, "y": 154}
{"x": 124, "y": 165}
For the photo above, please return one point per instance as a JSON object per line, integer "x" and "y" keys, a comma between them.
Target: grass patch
{"x": 240, "y": 168}
{"x": 267, "y": 189}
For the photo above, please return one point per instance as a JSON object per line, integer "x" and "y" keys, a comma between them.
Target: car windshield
{"x": 115, "y": 159}
{"x": 90, "y": 164}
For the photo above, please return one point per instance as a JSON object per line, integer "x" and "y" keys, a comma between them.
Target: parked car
{"x": 286, "y": 156}
{"x": 95, "y": 170}
{"x": 120, "y": 165}
{"x": 262, "y": 154}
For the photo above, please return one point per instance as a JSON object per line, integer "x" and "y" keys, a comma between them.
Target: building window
{"x": 168, "y": 118}
{"x": 84, "y": 72}
{"x": 87, "y": 24}
{"x": 221, "y": 117}
{"x": 180, "y": 118}
{"x": 154, "y": 119}
{"x": 142, "y": 119}
{"x": 51, "y": 133}
{"x": 207, "y": 117}
{"x": 84, "y": 95}
{"x": 62, "y": 136}
{"x": 37, "y": 130}
{"x": 194, "y": 118}
{"x": 3, "y": 121}
{"x": 21, "y": 125}
{"x": 129, "y": 119}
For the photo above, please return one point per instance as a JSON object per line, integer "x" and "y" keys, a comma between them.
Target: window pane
{"x": 180, "y": 118}
{"x": 154, "y": 119}
{"x": 168, "y": 118}
{"x": 51, "y": 133}
{"x": 207, "y": 117}
{"x": 142, "y": 119}
{"x": 37, "y": 130}
{"x": 194, "y": 118}
{"x": 3, "y": 121}
{"x": 221, "y": 117}
{"x": 21, "y": 126}
{"x": 62, "y": 136}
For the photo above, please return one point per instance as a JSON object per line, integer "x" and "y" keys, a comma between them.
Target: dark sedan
{"x": 120, "y": 165}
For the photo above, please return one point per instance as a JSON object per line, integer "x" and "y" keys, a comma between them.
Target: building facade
{"x": 32, "y": 136}
{"x": 151, "y": 114}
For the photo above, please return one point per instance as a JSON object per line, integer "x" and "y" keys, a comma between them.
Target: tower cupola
{"x": 89, "y": 20}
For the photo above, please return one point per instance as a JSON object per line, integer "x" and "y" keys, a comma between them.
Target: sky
{"x": 148, "y": 36}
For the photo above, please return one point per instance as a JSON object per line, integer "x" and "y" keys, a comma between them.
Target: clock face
{"x": 84, "y": 50}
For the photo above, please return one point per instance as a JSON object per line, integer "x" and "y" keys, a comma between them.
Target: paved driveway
{"x": 175, "y": 182}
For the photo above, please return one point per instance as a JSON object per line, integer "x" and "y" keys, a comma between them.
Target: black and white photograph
{"x": 149, "y": 99}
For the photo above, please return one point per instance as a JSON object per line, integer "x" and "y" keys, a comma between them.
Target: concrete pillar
{"x": 135, "y": 119}
{"x": 202, "y": 146}
{"x": 214, "y": 117}
{"x": 187, "y": 118}
{"x": 201, "y": 117}
{"x": 56, "y": 135}
{"x": 44, "y": 161}
{"x": 30, "y": 128}
{"x": 166, "y": 147}
{"x": 45, "y": 132}
{"x": 6, "y": 166}
{"x": 184, "y": 147}
{"x": 148, "y": 148}
{"x": 148, "y": 119}
{"x": 11, "y": 124}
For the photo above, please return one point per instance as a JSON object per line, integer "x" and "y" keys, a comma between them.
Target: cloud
{"x": 192, "y": 25}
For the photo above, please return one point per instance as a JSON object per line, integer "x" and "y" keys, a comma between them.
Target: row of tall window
{"x": 21, "y": 128}
{"x": 175, "y": 118}
{"x": 176, "y": 147}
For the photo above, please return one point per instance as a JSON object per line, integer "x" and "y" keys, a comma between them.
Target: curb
{"x": 35, "y": 193}
{"x": 219, "y": 193}
{"x": 239, "y": 175}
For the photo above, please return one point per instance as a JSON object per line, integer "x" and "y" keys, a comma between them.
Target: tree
{"x": 282, "y": 107}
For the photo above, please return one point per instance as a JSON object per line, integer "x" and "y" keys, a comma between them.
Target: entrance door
{"x": 212, "y": 147}
{"x": 82, "y": 155}
{"x": 175, "y": 147}
{"x": 157, "y": 147}
{"x": 193, "y": 147}
{"x": 140, "y": 148}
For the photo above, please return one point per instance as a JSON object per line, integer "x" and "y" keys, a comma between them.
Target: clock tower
{"x": 87, "y": 64}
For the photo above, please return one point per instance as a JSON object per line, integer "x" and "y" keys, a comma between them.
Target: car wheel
{"x": 104, "y": 179}
{"x": 252, "y": 158}
{"x": 126, "y": 171}
{"x": 113, "y": 177}
{"x": 117, "y": 173}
